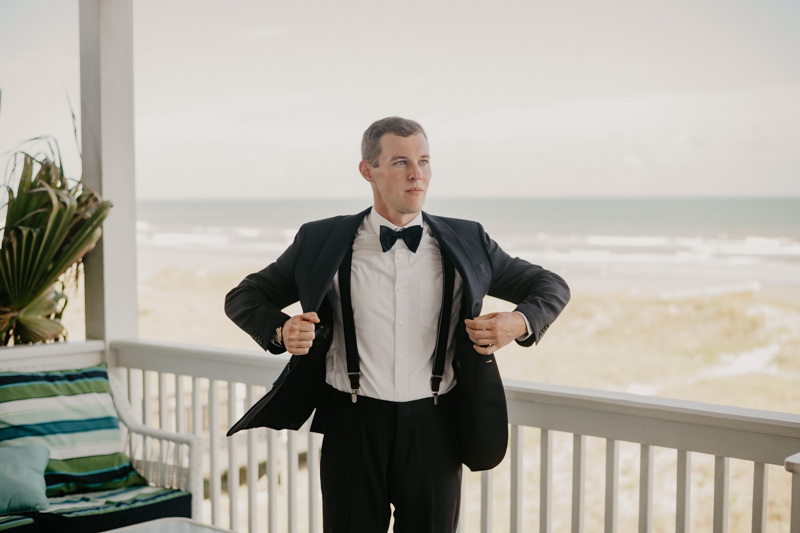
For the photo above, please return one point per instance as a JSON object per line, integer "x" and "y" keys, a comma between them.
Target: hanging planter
{"x": 49, "y": 227}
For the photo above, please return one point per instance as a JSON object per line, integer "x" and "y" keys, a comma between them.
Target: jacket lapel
{"x": 454, "y": 246}
{"x": 328, "y": 261}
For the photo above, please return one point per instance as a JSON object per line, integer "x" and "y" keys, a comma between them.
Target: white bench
{"x": 164, "y": 458}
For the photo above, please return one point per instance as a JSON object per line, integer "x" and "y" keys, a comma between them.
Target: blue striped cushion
{"x": 72, "y": 413}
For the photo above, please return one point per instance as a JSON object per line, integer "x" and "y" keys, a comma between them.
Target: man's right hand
{"x": 298, "y": 333}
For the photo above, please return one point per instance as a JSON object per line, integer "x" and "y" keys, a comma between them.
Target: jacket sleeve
{"x": 540, "y": 295}
{"x": 256, "y": 304}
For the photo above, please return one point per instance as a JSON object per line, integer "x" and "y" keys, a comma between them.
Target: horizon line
{"x": 466, "y": 198}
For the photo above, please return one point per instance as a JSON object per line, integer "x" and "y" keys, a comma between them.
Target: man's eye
{"x": 423, "y": 162}
{"x": 401, "y": 163}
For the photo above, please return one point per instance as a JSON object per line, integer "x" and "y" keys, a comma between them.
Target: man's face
{"x": 400, "y": 181}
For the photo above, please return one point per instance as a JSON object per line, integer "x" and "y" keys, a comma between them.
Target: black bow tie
{"x": 411, "y": 236}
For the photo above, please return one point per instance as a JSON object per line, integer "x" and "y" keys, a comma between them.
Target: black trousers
{"x": 377, "y": 453}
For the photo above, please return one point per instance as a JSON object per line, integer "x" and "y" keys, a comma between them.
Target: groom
{"x": 391, "y": 349}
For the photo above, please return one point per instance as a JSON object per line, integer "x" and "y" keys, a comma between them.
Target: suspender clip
{"x": 355, "y": 377}
{"x": 435, "y": 382}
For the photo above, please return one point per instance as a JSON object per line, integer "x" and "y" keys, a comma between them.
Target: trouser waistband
{"x": 342, "y": 399}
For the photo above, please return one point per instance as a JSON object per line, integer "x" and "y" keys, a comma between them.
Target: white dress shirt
{"x": 397, "y": 299}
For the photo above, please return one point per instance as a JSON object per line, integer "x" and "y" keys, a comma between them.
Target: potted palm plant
{"x": 51, "y": 223}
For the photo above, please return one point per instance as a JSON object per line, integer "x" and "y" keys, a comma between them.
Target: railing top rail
{"x": 204, "y": 353}
{"x": 244, "y": 366}
{"x": 51, "y": 349}
{"x": 250, "y": 366}
{"x": 53, "y": 356}
{"x": 685, "y": 411}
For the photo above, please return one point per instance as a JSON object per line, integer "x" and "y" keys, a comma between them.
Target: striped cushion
{"x": 16, "y": 523}
{"x": 107, "y": 510}
{"x": 72, "y": 413}
{"x": 110, "y": 501}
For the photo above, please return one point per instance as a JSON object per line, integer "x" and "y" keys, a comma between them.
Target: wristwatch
{"x": 277, "y": 337}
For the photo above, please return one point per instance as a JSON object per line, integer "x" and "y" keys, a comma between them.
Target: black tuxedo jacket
{"x": 304, "y": 273}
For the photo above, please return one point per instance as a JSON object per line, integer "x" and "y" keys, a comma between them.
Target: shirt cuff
{"x": 527, "y": 328}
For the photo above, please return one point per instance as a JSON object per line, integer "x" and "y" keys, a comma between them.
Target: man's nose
{"x": 415, "y": 172}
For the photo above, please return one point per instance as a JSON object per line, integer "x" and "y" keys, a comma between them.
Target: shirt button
{"x": 400, "y": 324}
{"x": 399, "y": 289}
{"x": 401, "y": 358}
{"x": 401, "y": 394}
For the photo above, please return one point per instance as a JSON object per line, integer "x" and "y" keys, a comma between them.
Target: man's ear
{"x": 366, "y": 171}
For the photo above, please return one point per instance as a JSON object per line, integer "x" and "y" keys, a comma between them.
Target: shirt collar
{"x": 376, "y": 220}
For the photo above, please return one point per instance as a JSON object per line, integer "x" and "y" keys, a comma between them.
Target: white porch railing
{"x": 760, "y": 437}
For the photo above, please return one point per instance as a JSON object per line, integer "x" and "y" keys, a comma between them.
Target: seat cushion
{"x": 101, "y": 511}
{"x": 18, "y": 524}
{"x": 72, "y": 413}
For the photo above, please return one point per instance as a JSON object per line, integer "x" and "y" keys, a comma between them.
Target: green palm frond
{"x": 33, "y": 323}
{"x": 49, "y": 227}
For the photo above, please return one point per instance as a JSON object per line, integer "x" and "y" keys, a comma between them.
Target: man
{"x": 391, "y": 349}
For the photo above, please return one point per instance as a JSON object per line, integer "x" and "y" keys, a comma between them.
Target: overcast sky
{"x": 266, "y": 99}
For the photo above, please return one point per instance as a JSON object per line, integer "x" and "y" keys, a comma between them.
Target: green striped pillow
{"x": 72, "y": 413}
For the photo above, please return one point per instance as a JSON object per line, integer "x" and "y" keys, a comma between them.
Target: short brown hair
{"x": 371, "y": 140}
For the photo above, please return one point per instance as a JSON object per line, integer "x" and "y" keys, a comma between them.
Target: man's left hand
{"x": 493, "y": 331}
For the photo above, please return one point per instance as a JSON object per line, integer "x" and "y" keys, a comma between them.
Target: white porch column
{"x": 107, "y": 143}
{"x": 106, "y": 33}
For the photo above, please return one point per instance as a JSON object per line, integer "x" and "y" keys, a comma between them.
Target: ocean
{"x": 657, "y": 243}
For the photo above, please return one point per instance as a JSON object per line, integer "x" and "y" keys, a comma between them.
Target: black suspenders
{"x": 440, "y": 350}
{"x": 351, "y": 346}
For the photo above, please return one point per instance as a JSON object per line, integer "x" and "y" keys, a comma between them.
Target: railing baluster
{"x": 252, "y": 469}
{"x": 213, "y": 444}
{"x": 760, "y": 484}
{"x": 135, "y": 391}
{"x": 487, "y": 495}
{"x": 795, "y": 513}
{"x": 721, "y": 481}
{"x": 578, "y": 481}
{"x": 163, "y": 402}
{"x": 163, "y": 413}
{"x": 646, "y": 489}
{"x": 233, "y": 462}
{"x": 546, "y": 482}
{"x": 147, "y": 413}
{"x": 197, "y": 407}
{"x": 516, "y": 478}
{"x": 291, "y": 452}
{"x": 272, "y": 481}
{"x": 683, "y": 492}
{"x": 147, "y": 398}
{"x": 612, "y": 485}
{"x": 180, "y": 404}
{"x": 163, "y": 453}
{"x": 312, "y": 463}
{"x": 792, "y": 465}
